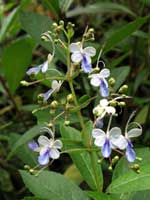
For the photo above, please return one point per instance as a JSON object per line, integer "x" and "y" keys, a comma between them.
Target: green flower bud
{"x": 27, "y": 167}
{"x": 115, "y": 159}
{"x": 24, "y": 83}
{"x": 52, "y": 111}
{"x": 50, "y": 125}
{"x": 61, "y": 22}
{"x": 40, "y": 97}
{"x": 55, "y": 25}
{"x": 113, "y": 103}
{"x": 112, "y": 81}
{"x": 121, "y": 104}
{"x": 54, "y": 104}
{"x": 123, "y": 89}
{"x": 69, "y": 98}
{"x": 32, "y": 171}
{"x": 67, "y": 122}
{"x": 91, "y": 30}
{"x": 110, "y": 168}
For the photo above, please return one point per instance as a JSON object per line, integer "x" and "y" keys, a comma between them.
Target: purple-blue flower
{"x": 47, "y": 148}
{"x": 100, "y": 80}
{"x": 55, "y": 87}
{"x": 107, "y": 141}
{"x": 82, "y": 55}
{"x": 35, "y": 70}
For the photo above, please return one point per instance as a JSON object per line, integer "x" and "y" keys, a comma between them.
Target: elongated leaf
{"x": 16, "y": 58}
{"x": 120, "y": 74}
{"x": 51, "y": 185}
{"x": 65, "y": 4}
{"x": 131, "y": 181}
{"x": 30, "y": 23}
{"x": 83, "y": 160}
{"x": 100, "y": 8}
{"x": 53, "y": 6}
{"x": 100, "y": 196}
{"x": 29, "y": 135}
{"x": 124, "y": 32}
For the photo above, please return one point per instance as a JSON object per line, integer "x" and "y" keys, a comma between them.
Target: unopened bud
{"x": 138, "y": 158}
{"x": 61, "y": 22}
{"x": 111, "y": 81}
{"x": 50, "y": 57}
{"x": 110, "y": 168}
{"x": 121, "y": 103}
{"x": 27, "y": 167}
{"x": 91, "y": 30}
{"x": 31, "y": 171}
{"x": 70, "y": 98}
{"x": 40, "y": 97}
{"x": 54, "y": 104}
{"x": 123, "y": 89}
{"x": 113, "y": 103}
{"x": 115, "y": 159}
{"x": 67, "y": 122}
{"x": 55, "y": 25}
{"x": 52, "y": 111}
{"x": 50, "y": 125}
{"x": 24, "y": 83}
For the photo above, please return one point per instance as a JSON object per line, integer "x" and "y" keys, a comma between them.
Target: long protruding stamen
{"x": 108, "y": 127}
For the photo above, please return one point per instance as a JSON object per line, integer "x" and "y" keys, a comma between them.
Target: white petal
{"x": 99, "y": 142}
{"x": 43, "y": 150}
{"x": 75, "y": 47}
{"x": 48, "y": 130}
{"x": 54, "y": 153}
{"x": 105, "y": 73}
{"x": 115, "y": 132}
{"x": 120, "y": 142}
{"x": 95, "y": 81}
{"x": 90, "y": 51}
{"x": 56, "y": 85}
{"x": 76, "y": 57}
{"x": 104, "y": 102}
{"x": 110, "y": 110}
{"x": 44, "y": 67}
{"x": 43, "y": 140}
{"x": 58, "y": 144}
{"x": 97, "y": 133}
{"x": 135, "y": 132}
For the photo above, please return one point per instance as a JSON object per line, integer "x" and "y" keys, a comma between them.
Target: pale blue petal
{"x": 33, "y": 70}
{"x": 104, "y": 91}
{"x": 44, "y": 67}
{"x": 130, "y": 153}
{"x": 99, "y": 123}
{"x": 106, "y": 149}
{"x": 47, "y": 95}
{"x": 86, "y": 66}
{"x": 33, "y": 145}
{"x": 44, "y": 158}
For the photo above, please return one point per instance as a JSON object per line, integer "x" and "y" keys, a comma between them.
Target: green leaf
{"x": 53, "y": 6}
{"x": 144, "y": 195}
{"x": 30, "y": 23}
{"x": 28, "y": 136}
{"x": 99, "y": 8}
{"x": 99, "y": 196}
{"x": 5, "y": 181}
{"x": 122, "y": 166}
{"x": 16, "y": 58}
{"x": 10, "y": 19}
{"x": 124, "y": 32}
{"x": 51, "y": 185}
{"x": 73, "y": 174}
{"x": 131, "y": 181}
{"x": 65, "y": 4}
{"x": 142, "y": 115}
{"x": 23, "y": 152}
{"x": 82, "y": 160}
{"x": 120, "y": 74}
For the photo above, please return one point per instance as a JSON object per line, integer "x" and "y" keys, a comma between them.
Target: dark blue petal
{"x": 44, "y": 158}
{"x": 106, "y": 150}
{"x": 130, "y": 153}
{"x": 47, "y": 94}
{"x": 86, "y": 66}
{"x": 33, "y": 145}
{"x": 104, "y": 91}
{"x": 33, "y": 70}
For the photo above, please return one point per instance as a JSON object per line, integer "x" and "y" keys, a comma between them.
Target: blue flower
{"x": 82, "y": 55}
{"x": 55, "y": 87}
{"x": 107, "y": 141}
{"x": 35, "y": 70}
{"x": 47, "y": 148}
{"x": 99, "y": 80}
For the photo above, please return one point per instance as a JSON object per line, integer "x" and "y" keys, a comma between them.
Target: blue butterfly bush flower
{"x": 82, "y": 55}
{"x": 41, "y": 68}
{"x": 55, "y": 87}
{"x": 99, "y": 79}
{"x": 107, "y": 141}
{"x": 47, "y": 148}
